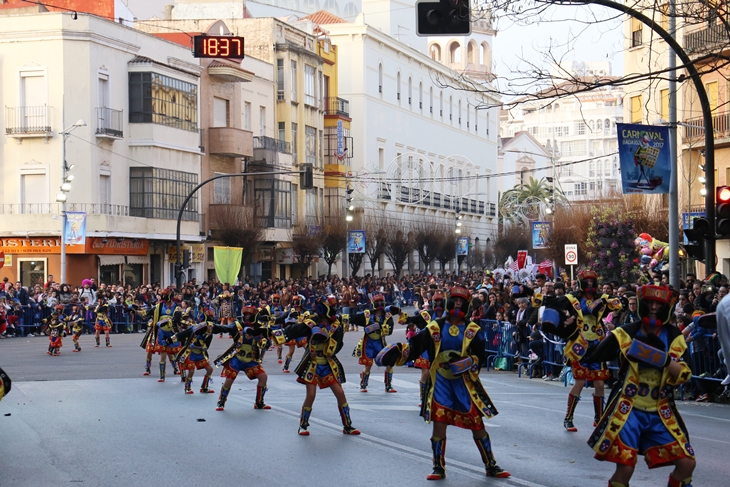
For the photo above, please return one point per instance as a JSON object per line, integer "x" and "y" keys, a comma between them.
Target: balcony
{"x": 337, "y": 106}
{"x": 694, "y": 132}
{"x": 109, "y": 123}
{"x": 707, "y": 40}
{"x": 269, "y": 143}
{"x": 56, "y": 208}
{"x": 28, "y": 121}
{"x": 230, "y": 142}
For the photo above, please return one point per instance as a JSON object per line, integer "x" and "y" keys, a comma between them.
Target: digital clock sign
{"x": 218, "y": 47}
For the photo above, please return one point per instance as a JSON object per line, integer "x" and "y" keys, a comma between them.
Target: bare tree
{"x": 509, "y": 242}
{"x": 355, "y": 263}
{"x": 305, "y": 246}
{"x": 424, "y": 241}
{"x": 374, "y": 240}
{"x": 237, "y": 226}
{"x": 398, "y": 245}
{"x": 333, "y": 240}
{"x": 446, "y": 242}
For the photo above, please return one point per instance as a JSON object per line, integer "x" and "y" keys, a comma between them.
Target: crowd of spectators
{"x": 497, "y": 301}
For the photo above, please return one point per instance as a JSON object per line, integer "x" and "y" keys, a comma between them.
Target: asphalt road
{"x": 92, "y": 419}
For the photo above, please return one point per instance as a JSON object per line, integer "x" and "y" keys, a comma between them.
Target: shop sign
{"x": 41, "y": 245}
{"x": 197, "y": 252}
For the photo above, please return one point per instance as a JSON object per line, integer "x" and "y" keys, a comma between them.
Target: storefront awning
{"x": 138, "y": 259}
{"x": 111, "y": 259}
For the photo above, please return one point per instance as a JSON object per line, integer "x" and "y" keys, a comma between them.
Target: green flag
{"x": 227, "y": 263}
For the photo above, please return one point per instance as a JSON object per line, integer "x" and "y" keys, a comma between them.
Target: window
{"x": 159, "y": 193}
{"x": 309, "y": 93}
{"x": 34, "y": 192}
{"x": 294, "y": 204}
{"x": 380, "y": 78}
{"x": 580, "y": 128}
{"x": 664, "y": 9}
{"x": 397, "y": 86}
{"x": 410, "y": 90}
{"x": 712, "y": 95}
{"x": 222, "y": 190}
{"x": 321, "y": 149}
{"x": 636, "y": 109}
{"x": 430, "y": 101}
{"x": 573, "y": 148}
{"x": 293, "y": 81}
{"x": 279, "y": 79}
{"x": 154, "y": 98}
{"x": 221, "y": 114}
{"x": 636, "y": 27}
{"x": 34, "y": 116}
{"x": 105, "y": 191}
{"x": 262, "y": 121}
{"x": 592, "y": 169}
{"x": 247, "y": 116}
{"x": 294, "y": 145}
{"x": 311, "y": 209}
{"x": 273, "y": 197}
{"x": 665, "y": 104}
{"x": 321, "y": 94}
{"x": 103, "y": 85}
{"x": 310, "y": 144}
{"x": 282, "y": 131}
{"x": 420, "y": 95}
{"x": 580, "y": 188}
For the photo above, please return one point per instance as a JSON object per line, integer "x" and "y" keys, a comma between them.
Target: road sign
{"x": 2, "y": 259}
{"x": 571, "y": 254}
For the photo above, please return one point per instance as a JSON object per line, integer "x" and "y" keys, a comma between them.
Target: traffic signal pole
{"x": 694, "y": 75}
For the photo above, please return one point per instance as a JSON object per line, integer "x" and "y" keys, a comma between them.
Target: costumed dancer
{"x": 590, "y": 308}
{"x": 103, "y": 323}
{"x": 75, "y": 322}
{"x": 193, "y": 354}
{"x": 249, "y": 339}
{"x": 438, "y": 310}
{"x": 276, "y": 311}
{"x": 227, "y": 311}
{"x": 454, "y": 394}
{"x": 56, "y": 330}
{"x": 166, "y": 312}
{"x": 641, "y": 417}
{"x": 297, "y": 313}
{"x": 319, "y": 366}
{"x": 377, "y": 326}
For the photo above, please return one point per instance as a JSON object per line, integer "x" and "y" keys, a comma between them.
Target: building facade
{"x": 124, "y": 108}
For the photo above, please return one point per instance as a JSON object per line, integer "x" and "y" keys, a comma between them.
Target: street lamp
{"x": 65, "y": 188}
{"x": 457, "y": 231}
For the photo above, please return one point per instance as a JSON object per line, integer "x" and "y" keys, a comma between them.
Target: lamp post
{"x": 65, "y": 188}
{"x": 348, "y": 219}
{"x": 457, "y": 231}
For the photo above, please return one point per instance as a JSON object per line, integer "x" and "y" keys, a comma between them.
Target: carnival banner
{"x": 227, "y": 263}
{"x": 644, "y": 158}
{"x": 462, "y": 246}
{"x": 521, "y": 259}
{"x": 75, "y": 231}
{"x": 541, "y": 234}
{"x": 356, "y": 242}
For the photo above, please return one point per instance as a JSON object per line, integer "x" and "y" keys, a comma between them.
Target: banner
{"x": 356, "y": 241}
{"x": 644, "y": 158}
{"x": 521, "y": 259}
{"x": 541, "y": 234}
{"x": 75, "y": 231}
{"x": 462, "y": 246}
{"x": 227, "y": 263}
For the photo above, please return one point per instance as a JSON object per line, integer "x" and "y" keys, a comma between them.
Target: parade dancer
{"x": 642, "y": 417}
{"x": 164, "y": 311}
{"x": 193, "y": 354}
{"x": 276, "y": 311}
{"x": 319, "y": 366}
{"x": 56, "y": 330}
{"x": 377, "y": 326}
{"x": 454, "y": 394}
{"x": 590, "y": 308}
{"x": 296, "y": 314}
{"x": 249, "y": 339}
{"x": 75, "y": 322}
{"x": 438, "y": 310}
{"x": 227, "y": 311}
{"x": 103, "y": 323}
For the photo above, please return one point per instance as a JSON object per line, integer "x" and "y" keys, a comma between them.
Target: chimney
{"x": 168, "y": 11}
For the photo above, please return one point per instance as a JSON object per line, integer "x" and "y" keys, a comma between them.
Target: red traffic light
{"x": 723, "y": 194}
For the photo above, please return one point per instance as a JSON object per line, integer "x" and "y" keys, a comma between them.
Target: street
{"x": 91, "y": 418}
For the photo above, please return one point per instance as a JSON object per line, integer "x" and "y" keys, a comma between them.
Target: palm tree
{"x": 527, "y": 200}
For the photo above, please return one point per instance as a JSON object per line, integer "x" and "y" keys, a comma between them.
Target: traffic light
{"x": 186, "y": 259}
{"x": 306, "y": 177}
{"x": 696, "y": 236}
{"x": 722, "y": 211}
{"x": 445, "y": 17}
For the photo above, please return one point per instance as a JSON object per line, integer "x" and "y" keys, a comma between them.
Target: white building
{"x": 134, "y": 162}
{"x": 579, "y": 127}
{"x": 425, "y": 144}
